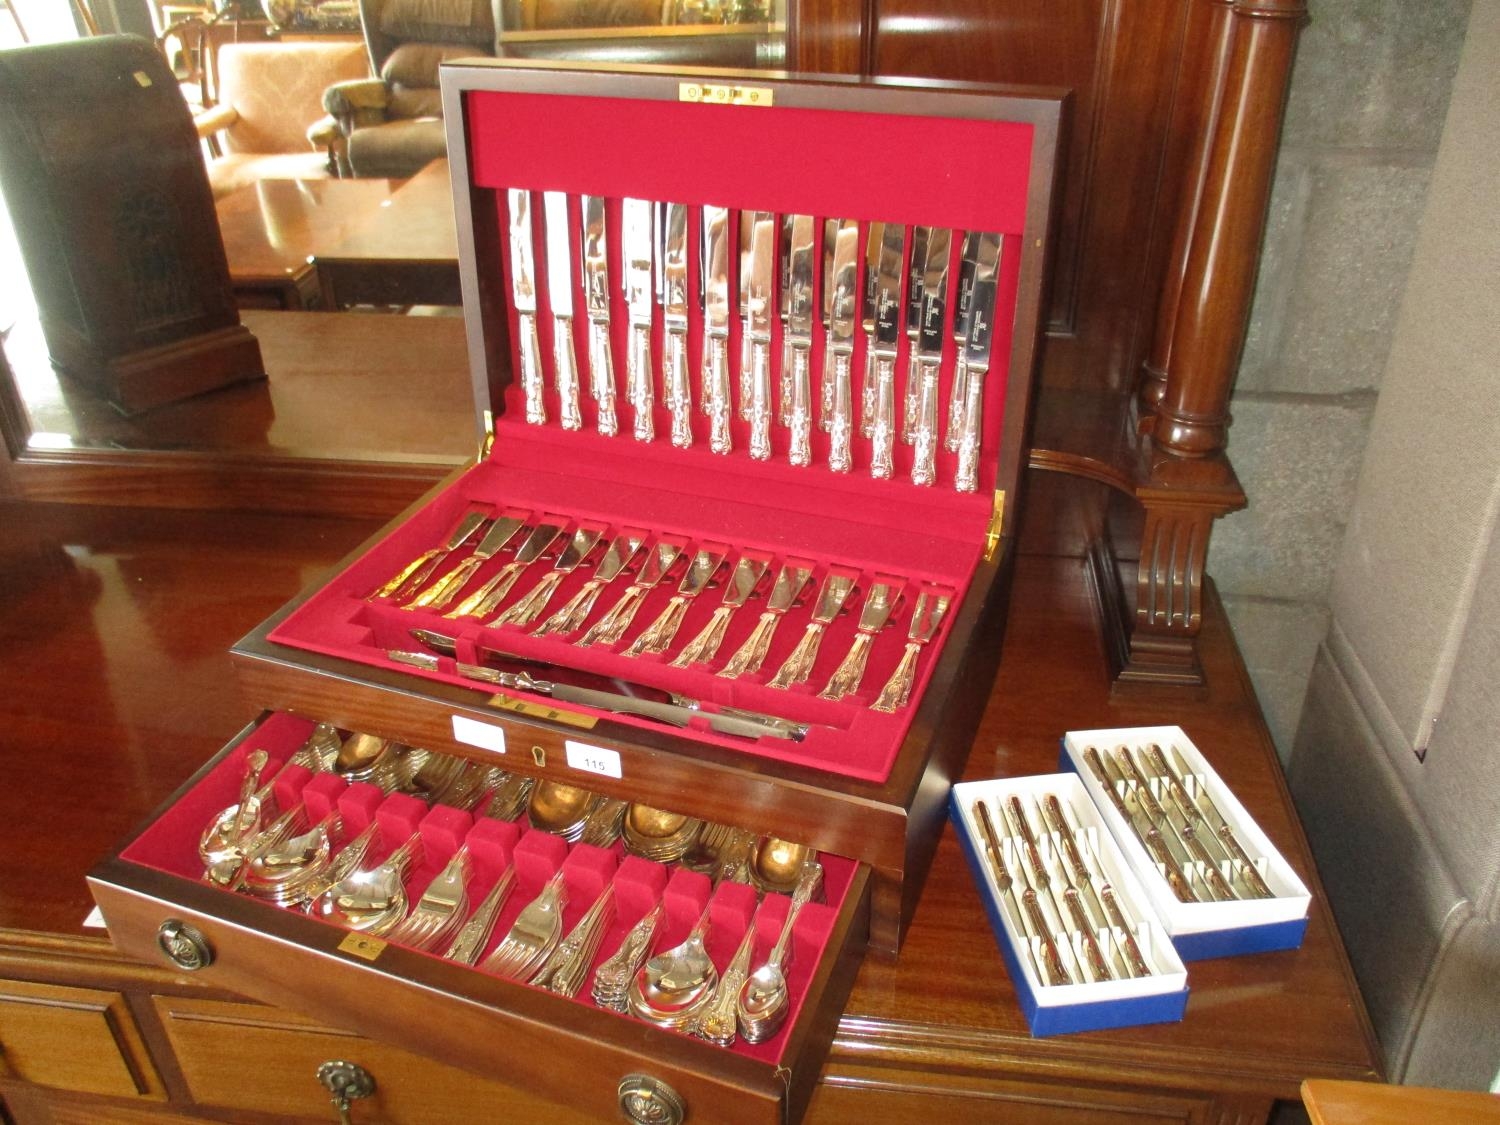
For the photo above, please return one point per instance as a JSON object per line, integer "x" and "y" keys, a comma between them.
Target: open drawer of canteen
{"x": 605, "y": 954}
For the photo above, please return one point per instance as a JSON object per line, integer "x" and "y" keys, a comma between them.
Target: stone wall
{"x": 1368, "y": 98}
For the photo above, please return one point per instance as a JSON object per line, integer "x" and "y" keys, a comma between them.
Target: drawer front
{"x": 264, "y": 1060}
{"x": 75, "y": 1039}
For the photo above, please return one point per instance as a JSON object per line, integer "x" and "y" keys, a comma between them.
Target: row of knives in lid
{"x": 784, "y": 265}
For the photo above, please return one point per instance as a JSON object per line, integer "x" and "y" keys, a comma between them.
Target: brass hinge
{"x": 997, "y": 526}
{"x": 715, "y": 93}
{"x": 488, "y": 441}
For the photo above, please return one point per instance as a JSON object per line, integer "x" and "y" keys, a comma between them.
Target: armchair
{"x": 391, "y": 125}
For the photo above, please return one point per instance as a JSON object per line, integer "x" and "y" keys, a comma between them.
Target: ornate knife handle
{"x": 897, "y": 691}
{"x": 572, "y": 615}
{"x": 913, "y": 398}
{"x": 428, "y": 559}
{"x": 565, "y": 363}
{"x": 602, "y": 377}
{"x": 784, "y": 382}
{"x": 957, "y": 396}
{"x": 716, "y": 393}
{"x": 851, "y": 670}
{"x": 657, "y": 637}
{"x": 679, "y": 391}
{"x": 1084, "y": 926}
{"x": 1125, "y": 936}
{"x": 924, "y": 466}
{"x": 827, "y": 392}
{"x": 638, "y": 368}
{"x": 800, "y": 451}
{"x": 529, "y": 608}
{"x": 760, "y": 399}
{"x": 882, "y": 438}
{"x": 967, "y": 477}
{"x": 441, "y": 592}
{"x": 752, "y": 654}
{"x": 1056, "y": 971}
{"x": 611, "y": 627}
{"x": 747, "y": 383}
{"x": 1157, "y": 846}
{"x": 491, "y": 594}
{"x": 868, "y": 396}
{"x": 841, "y": 421}
{"x": 531, "y": 370}
{"x": 799, "y": 665}
{"x": 705, "y": 646}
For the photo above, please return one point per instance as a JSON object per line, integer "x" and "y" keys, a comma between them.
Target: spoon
{"x": 223, "y": 867}
{"x": 776, "y": 865}
{"x": 670, "y": 988}
{"x": 280, "y": 870}
{"x": 763, "y": 1000}
{"x": 240, "y": 819}
{"x": 370, "y": 901}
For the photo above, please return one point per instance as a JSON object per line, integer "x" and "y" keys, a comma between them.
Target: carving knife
{"x": 714, "y": 283}
{"x": 968, "y": 264}
{"x": 976, "y": 358}
{"x": 596, "y": 297}
{"x": 523, "y": 296}
{"x": 916, "y": 279}
{"x": 840, "y": 307}
{"x": 760, "y": 296}
{"x": 676, "y": 389}
{"x": 636, "y": 215}
{"x": 801, "y": 262}
{"x": 887, "y": 333}
{"x": 560, "y": 298}
{"x": 928, "y": 356}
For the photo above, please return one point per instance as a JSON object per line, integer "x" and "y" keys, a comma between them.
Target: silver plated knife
{"x": 622, "y": 549}
{"x": 887, "y": 333}
{"x": 714, "y": 283}
{"x": 743, "y": 581}
{"x": 761, "y": 295}
{"x": 915, "y": 288}
{"x": 676, "y": 387}
{"x": 929, "y": 356}
{"x": 802, "y": 261}
{"x": 791, "y": 580}
{"x": 657, "y": 637}
{"x": 968, "y": 264}
{"x": 784, "y": 293}
{"x": 884, "y": 596}
{"x": 560, "y": 298}
{"x": 596, "y": 299}
{"x": 658, "y": 564}
{"x": 840, "y": 308}
{"x": 489, "y": 596}
{"x": 446, "y": 588}
{"x": 873, "y": 240}
{"x": 636, "y": 215}
{"x": 530, "y": 606}
{"x": 523, "y": 296}
{"x": 746, "y": 240}
{"x": 976, "y": 359}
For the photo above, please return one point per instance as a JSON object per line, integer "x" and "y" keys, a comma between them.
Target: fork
{"x": 532, "y": 936}
{"x": 441, "y": 907}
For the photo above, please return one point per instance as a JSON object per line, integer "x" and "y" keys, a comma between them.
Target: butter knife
{"x": 791, "y": 580}
{"x": 884, "y": 596}
{"x": 715, "y": 286}
{"x": 915, "y": 288}
{"x": 887, "y": 333}
{"x": 676, "y": 388}
{"x": 484, "y": 600}
{"x": 929, "y": 357}
{"x": 596, "y": 298}
{"x": 1120, "y": 795}
{"x": 840, "y": 308}
{"x": 611, "y": 627}
{"x": 560, "y": 298}
{"x": 523, "y": 296}
{"x": 976, "y": 359}
{"x": 443, "y": 591}
{"x": 636, "y": 238}
{"x": 1104, "y": 894}
{"x": 802, "y": 260}
{"x": 530, "y": 606}
{"x": 743, "y": 580}
{"x": 622, "y": 549}
{"x": 835, "y": 591}
{"x": 761, "y": 295}
{"x": 657, "y": 637}
{"x": 932, "y": 607}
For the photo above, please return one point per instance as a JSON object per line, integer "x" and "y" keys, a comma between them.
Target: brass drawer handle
{"x": 347, "y": 1082}
{"x": 650, "y": 1101}
{"x": 184, "y": 945}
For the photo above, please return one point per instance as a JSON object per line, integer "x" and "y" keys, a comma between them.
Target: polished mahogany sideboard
{"x": 113, "y": 646}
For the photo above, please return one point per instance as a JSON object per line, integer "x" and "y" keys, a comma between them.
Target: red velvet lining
{"x": 170, "y": 844}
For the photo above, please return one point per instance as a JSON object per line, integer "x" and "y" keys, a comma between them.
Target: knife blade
{"x": 523, "y": 296}
{"x": 915, "y": 289}
{"x": 840, "y": 310}
{"x": 596, "y": 298}
{"x": 743, "y": 581}
{"x": 714, "y": 283}
{"x": 560, "y": 298}
{"x": 801, "y": 262}
{"x": 887, "y": 332}
{"x": 976, "y": 358}
{"x": 761, "y": 295}
{"x": 929, "y": 356}
{"x": 968, "y": 266}
{"x": 676, "y": 390}
{"x": 873, "y": 240}
{"x": 636, "y": 239}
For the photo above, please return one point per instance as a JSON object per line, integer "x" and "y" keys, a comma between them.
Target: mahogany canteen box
{"x": 663, "y": 583}
{"x": 853, "y": 562}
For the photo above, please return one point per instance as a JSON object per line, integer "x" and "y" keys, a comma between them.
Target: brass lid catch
{"x": 997, "y": 526}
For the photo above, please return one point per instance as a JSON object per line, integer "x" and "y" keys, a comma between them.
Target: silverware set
{"x": 825, "y": 287}
{"x": 1073, "y": 925}
{"x": 1178, "y": 823}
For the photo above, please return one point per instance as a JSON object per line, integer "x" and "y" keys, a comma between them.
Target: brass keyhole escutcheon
{"x": 184, "y": 945}
{"x": 650, "y": 1101}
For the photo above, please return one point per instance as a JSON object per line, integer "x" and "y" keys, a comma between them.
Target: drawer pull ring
{"x": 650, "y": 1101}
{"x": 184, "y": 945}
{"x": 347, "y": 1082}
